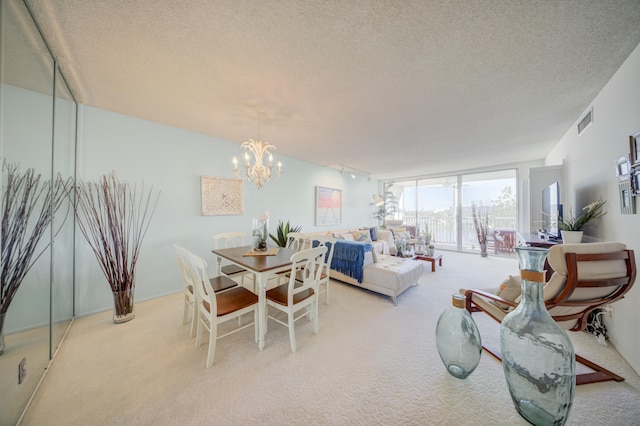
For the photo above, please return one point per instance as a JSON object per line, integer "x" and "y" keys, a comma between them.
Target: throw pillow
{"x": 374, "y": 233}
{"x": 362, "y": 235}
{"x": 510, "y": 290}
{"x": 347, "y": 236}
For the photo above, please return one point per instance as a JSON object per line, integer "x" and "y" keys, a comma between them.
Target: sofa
{"x": 367, "y": 264}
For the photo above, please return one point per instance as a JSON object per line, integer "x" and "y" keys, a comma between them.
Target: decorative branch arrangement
{"x": 481, "y": 222}
{"x": 114, "y": 218}
{"x": 28, "y": 206}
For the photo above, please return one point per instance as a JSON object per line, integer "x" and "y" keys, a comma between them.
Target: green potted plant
{"x": 282, "y": 233}
{"x": 572, "y": 228}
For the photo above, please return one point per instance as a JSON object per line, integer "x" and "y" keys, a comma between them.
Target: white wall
{"x": 172, "y": 160}
{"x": 590, "y": 174}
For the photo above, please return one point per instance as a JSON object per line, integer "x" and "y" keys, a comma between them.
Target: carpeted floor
{"x": 371, "y": 364}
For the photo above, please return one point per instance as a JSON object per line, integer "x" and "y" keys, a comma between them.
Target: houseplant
{"x": 282, "y": 233}
{"x": 573, "y": 227}
{"x": 114, "y": 217}
{"x": 28, "y": 206}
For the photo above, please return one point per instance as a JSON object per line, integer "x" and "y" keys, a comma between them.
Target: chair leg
{"x": 255, "y": 323}
{"x": 213, "y": 337}
{"x": 198, "y": 331}
{"x": 314, "y": 310}
{"x": 326, "y": 292}
{"x": 185, "y": 310}
{"x": 292, "y": 332}
{"x": 601, "y": 374}
{"x": 194, "y": 322}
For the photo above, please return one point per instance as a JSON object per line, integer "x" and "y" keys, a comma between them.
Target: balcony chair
{"x": 217, "y": 283}
{"x": 585, "y": 277}
{"x": 215, "y": 308}
{"x": 504, "y": 241}
{"x": 298, "y": 295}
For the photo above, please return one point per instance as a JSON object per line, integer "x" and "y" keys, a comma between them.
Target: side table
{"x": 432, "y": 259}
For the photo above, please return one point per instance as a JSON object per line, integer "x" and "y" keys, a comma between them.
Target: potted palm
{"x": 282, "y": 233}
{"x": 573, "y": 227}
{"x": 114, "y": 217}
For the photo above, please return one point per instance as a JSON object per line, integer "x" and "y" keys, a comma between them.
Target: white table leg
{"x": 262, "y": 309}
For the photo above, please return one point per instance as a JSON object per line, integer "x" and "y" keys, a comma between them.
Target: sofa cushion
{"x": 363, "y": 235}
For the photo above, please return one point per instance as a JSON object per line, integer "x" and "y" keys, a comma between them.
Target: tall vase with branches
{"x": 481, "y": 222}
{"x": 28, "y": 206}
{"x": 114, "y": 216}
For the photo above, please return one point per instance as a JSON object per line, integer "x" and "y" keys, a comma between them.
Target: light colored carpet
{"x": 371, "y": 363}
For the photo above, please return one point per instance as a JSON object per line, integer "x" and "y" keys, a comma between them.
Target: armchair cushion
{"x": 509, "y": 289}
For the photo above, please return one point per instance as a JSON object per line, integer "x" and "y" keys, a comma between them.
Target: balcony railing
{"x": 443, "y": 230}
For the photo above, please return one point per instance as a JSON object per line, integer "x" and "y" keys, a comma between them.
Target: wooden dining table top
{"x": 255, "y": 263}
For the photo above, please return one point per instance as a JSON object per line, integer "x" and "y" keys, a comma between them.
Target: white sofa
{"x": 385, "y": 243}
{"x": 381, "y": 272}
{"x": 388, "y": 275}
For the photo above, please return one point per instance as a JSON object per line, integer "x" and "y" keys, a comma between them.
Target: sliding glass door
{"x": 442, "y": 206}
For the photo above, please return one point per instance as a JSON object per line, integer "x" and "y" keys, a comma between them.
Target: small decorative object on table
{"x": 431, "y": 250}
{"x": 537, "y": 356}
{"x": 260, "y": 232}
{"x": 458, "y": 339}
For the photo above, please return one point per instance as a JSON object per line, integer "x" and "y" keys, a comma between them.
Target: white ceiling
{"x": 391, "y": 88}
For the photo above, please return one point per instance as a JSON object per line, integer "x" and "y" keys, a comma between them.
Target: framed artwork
{"x": 220, "y": 196}
{"x": 634, "y": 148}
{"x": 635, "y": 181}
{"x": 623, "y": 168}
{"x": 627, "y": 201}
{"x": 328, "y": 206}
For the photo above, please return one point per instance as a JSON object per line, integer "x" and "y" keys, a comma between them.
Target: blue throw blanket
{"x": 348, "y": 258}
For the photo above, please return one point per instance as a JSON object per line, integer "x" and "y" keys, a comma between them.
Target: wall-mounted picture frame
{"x": 635, "y": 181}
{"x": 220, "y": 196}
{"x": 328, "y": 206}
{"x": 627, "y": 200}
{"x": 634, "y": 148}
{"x": 623, "y": 168}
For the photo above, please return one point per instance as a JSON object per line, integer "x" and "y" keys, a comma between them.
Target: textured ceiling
{"x": 391, "y": 88}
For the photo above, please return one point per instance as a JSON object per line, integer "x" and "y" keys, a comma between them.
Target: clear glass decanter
{"x": 458, "y": 339}
{"x": 537, "y": 356}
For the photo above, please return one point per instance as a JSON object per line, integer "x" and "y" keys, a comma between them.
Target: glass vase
{"x": 123, "y": 306}
{"x": 260, "y": 234}
{"x": 537, "y": 356}
{"x": 458, "y": 339}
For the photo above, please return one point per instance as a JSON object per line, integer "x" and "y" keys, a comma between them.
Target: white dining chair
{"x": 296, "y": 241}
{"x": 325, "y": 267}
{"x": 229, "y": 240}
{"x": 217, "y": 284}
{"x": 298, "y": 295}
{"x": 215, "y": 308}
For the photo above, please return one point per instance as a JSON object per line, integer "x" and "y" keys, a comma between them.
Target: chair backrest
{"x": 585, "y": 277}
{"x": 296, "y": 241}
{"x": 206, "y": 297}
{"x": 308, "y": 265}
{"x": 330, "y": 244}
{"x": 183, "y": 262}
{"x": 228, "y": 240}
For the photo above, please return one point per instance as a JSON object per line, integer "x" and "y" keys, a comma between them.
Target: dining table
{"x": 263, "y": 266}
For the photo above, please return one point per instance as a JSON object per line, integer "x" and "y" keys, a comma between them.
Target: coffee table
{"x": 433, "y": 258}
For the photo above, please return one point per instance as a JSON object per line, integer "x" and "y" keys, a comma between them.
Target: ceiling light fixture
{"x": 258, "y": 172}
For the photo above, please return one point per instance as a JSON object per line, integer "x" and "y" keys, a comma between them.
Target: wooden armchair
{"x": 586, "y": 276}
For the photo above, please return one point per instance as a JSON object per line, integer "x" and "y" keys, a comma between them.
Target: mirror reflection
{"x": 41, "y": 308}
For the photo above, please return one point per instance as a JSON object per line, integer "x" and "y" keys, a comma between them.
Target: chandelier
{"x": 258, "y": 172}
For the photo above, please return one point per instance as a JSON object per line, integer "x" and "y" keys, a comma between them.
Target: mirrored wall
{"x": 38, "y": 131}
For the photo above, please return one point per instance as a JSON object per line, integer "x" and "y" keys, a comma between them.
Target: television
{"x": 551, "y": 211}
